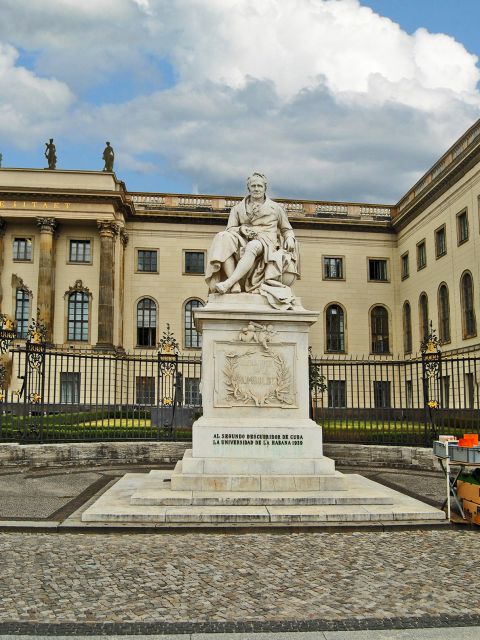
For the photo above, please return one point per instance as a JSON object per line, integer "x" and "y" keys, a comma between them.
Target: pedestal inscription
{"x": 272, "y": 438}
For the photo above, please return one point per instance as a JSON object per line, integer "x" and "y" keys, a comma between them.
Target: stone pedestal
{"x": 255, "y": 433}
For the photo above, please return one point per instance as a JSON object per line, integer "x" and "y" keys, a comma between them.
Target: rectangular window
{"x": 193, "y": 397}
{"x": 377, "y": 270}
{"x": 462, "y": 227}
{"x": 409, "y": 393}
{"x": 194, "y": 262}
{"x": 69, "y": 387}
{"x": 78, "y": 316}
{"x": 421, "y": 255}
{"x": 145, "y": 389}
{"x": 337, "y": 394}
{"x": 333, "y": 268}
{"x": 445, "y": 391}
{"x": 405, "y": 266}
{"x": 147, "y": 260}
{"x": 470, "y": 390}
{"x": 22, "y": 249}
{"x": 80, "y": 251}
{"x": 22, "y": 312}
{"x": 381, "y": 394}
{"x": 440, "y": 242}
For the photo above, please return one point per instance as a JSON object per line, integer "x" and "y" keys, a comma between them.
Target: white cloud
{"x": 332, "y": 99}
{"x": 29, "y": 104}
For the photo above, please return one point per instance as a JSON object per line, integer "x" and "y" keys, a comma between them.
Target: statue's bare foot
{"x": 221, "y": 287}
{"x": 236, "y": 288}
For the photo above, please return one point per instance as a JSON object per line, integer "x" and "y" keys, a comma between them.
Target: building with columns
{"x": 107, "y": 268}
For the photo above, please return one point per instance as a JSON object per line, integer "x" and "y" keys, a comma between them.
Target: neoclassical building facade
{"x": 107, "y": 268}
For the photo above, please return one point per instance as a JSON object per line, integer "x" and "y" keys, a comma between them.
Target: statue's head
{"x": 257, "y": 184}
{"x": 107, "y": 143}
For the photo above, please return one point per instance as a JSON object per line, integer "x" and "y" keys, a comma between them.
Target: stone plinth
{"x": 254, "y": 363}
{"x": 255, "y": 433}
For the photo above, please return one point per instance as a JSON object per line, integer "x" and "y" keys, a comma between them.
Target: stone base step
{"x": 115, "y": 507}
{"x": 156, "y": 490}
{"x": 212, "y": 482}
{"x": 257, "y": 466}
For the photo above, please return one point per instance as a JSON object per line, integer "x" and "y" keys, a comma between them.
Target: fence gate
{"x": 431, "y": 376}
{"x": 32, "y": 392}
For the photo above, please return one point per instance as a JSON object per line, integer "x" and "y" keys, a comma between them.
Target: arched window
{"x": 379, "y": 328}
{"x": 146, "y": 323}
{"x": 193, "y": 340}
{"x": 469, "y": 322}
{"x": 423, "y": 311}
{"x": 335, "y": 328}
{"x": 78, "y": 308}
{"x": 22, "y": 312}
{"x": 407, "y": 327}
{"x": 443, "y": 314}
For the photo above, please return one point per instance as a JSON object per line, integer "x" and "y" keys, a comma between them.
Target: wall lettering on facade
{"x": 32, "y": 204}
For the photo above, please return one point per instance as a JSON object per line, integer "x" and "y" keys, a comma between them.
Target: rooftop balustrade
{"x": 295, "y": 208}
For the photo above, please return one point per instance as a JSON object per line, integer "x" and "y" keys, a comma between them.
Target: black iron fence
{"x": 59, "y": 394}
{"x": 396, "y": 401}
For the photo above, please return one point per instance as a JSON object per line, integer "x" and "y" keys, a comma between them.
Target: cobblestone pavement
{"x": 254, "y": 577}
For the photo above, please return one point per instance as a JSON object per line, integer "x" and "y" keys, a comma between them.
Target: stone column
{"x": 3, "y": 226}
{"x": 108, "y": 231}
{"x": 124, "y": 241}
{"x": 46, "y": 274}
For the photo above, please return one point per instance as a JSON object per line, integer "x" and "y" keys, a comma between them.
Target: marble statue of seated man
{"x": 258, "y": 252}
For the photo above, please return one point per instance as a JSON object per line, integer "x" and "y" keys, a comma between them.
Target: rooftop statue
{"x": 108, "y": 157}
{"x": 51, "y": 154}
{"x": 258, "y": 252}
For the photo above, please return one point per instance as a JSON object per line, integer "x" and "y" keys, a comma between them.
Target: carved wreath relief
{"x": 254, "y": 374}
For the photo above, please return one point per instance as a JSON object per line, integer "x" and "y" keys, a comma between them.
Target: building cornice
{"x": 460, "y": 158}
{"x": 115, "y": 198}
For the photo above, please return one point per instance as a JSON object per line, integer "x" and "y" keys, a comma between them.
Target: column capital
{"x": 3, "y": 226}
{"x": 47, "y": 225}
{"x": 107, "y": 228}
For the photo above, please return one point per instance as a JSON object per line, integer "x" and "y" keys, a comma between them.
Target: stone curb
{"x": 144, "y": 452}
{"x": 269, "y": 626}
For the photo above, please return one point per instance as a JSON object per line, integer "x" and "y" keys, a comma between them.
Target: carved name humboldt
{"x": 251, "y": 371}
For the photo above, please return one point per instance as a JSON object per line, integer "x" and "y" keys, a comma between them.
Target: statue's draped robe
{"x": 273, "y": 267}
